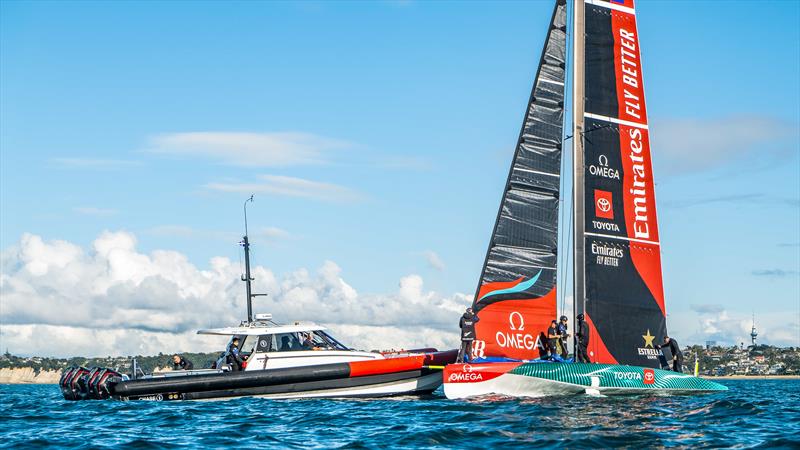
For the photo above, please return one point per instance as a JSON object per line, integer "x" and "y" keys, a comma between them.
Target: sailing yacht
{"x": 617, "y": 281}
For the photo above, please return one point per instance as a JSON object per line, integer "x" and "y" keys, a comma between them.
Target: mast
{"x": 246, "y": 277}
{"x": 578, "y": 76}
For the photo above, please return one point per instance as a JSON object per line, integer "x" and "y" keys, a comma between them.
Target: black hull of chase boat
{"x": 278, "y": 387}
{"x": 381, "y": 377}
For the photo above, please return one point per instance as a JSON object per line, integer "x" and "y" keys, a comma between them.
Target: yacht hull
{"x": 517, "y": 379}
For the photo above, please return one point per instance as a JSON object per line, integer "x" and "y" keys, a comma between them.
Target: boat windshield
{"x": 302, "y": 341}
{"x": 247, "y": 343}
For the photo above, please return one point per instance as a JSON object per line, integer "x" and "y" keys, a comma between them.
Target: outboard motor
{"x": 80, "y": 383}
{"x": 71, "y": 383}
{"x": 100, "y": 384}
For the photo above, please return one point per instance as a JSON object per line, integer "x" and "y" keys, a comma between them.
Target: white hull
{"x": 539, "y": 380}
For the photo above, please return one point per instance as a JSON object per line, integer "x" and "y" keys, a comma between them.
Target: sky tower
{"x": 753, "y": 333}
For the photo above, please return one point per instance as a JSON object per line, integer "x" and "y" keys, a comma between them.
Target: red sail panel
{"x": 515, "y": 298}
{"x": 624, "y": 289}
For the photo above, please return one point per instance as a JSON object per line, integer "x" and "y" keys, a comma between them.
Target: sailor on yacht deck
{"x": 675, "y": 351}
{"x": 467, "y": 325}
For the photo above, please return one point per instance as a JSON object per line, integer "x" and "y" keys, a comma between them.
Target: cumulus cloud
{"x": 61, "y": 299}
{"x": 291, "y": 187}
{"x": 690, "y": 145}
{"x": 249, "y": 149}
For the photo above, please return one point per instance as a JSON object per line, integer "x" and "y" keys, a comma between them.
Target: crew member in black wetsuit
{"x": 582, "y": 333}
{"x": 675, "y": 350}
{"x": 561, "y": 331}
{"x": 552, "y": 338}
{"x": 181, "y": 363}
{"x": 467, "y": 325}
{"x": 234, "y": 358}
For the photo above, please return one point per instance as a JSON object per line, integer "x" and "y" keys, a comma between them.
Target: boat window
{"x": 266, "y": 343}
{"x": 247, "y": 343}
{"x": 287, "y": 342}
{"x": 328, "y": 341}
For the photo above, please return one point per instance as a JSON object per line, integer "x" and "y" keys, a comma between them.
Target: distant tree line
{"x": 119, "y": 363}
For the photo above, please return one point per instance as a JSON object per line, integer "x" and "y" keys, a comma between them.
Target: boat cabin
{"x": 267, "y": 345}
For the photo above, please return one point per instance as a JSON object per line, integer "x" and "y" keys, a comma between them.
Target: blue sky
{"x": 378, "y": 136}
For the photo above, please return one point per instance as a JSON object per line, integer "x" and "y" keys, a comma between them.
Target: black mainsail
{"x": 516, "y": 295}
{"x": 623, "y": 297}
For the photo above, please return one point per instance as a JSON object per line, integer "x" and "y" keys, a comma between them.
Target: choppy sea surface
{"x": 753, "y": 414}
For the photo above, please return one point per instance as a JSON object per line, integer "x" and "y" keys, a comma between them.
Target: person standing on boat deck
{"x": 467, "y": 325}
{"x": 181, "y": 363}
{"x": 552, "y": 338}
{"x": 234, "y": 358}
{"x": 675, "y": 350}
{"x": 582, "y": 333}
{"x": 561, "y": 330}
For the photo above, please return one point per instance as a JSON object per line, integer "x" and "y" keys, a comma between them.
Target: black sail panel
{"x": 624, "y": 301}
{"x": 515, "y": 299}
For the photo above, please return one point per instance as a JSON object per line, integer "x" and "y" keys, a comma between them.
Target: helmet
{"x": 563, "y": 317}
{"x": 580, "y": 316}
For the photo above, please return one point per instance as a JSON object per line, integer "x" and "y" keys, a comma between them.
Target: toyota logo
{"x": 603, "y": 204}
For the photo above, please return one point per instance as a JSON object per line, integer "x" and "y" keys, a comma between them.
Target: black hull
{"x": 277, "y": 382}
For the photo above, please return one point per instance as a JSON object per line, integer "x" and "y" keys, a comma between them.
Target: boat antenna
{"x": 246, "y": 277}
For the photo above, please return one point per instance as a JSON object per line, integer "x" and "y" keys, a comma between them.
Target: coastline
{"x": 752, "y": 377}
{"x": 27, "y": 375}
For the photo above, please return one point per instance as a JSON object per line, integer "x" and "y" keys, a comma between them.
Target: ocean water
{"x": 753, "y": 414}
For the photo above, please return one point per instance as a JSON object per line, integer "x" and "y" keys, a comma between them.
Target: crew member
{"x": 308, "y": 342}
{"x": 181, "y": 363}
{"x": 467, "y": 325}
{"x": 552, "y": 338}
{"x": 675, "y": 350}
{"x": 561, "y": 331}
{"x": 234, "y": 357}
{"x": 582, "y": 333}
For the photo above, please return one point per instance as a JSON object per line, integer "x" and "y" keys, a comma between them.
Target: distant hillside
{"x": 120, "y": 363}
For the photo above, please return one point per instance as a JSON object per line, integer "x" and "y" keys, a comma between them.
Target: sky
{"x": 376, "y": 137}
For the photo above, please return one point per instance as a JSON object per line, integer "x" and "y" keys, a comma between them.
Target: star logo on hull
{"x": 648, "y": 339}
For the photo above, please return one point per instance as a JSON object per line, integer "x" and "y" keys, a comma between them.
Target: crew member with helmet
{"x": 561, "y": 331}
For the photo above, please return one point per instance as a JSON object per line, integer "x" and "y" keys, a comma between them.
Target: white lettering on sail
{"x": 641, "y": 227}
{"x": 630, "y": 72}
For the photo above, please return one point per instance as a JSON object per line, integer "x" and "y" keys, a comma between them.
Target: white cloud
{"x": 434, "y": 260}
{"x": 249, "y": 149}
{"x": 60, "y": 299}
{"x": 93, "y": 163}
{"x": 689, "y": 145}
{"x": 291, "y": 187}
{"x": 93, "y": 211}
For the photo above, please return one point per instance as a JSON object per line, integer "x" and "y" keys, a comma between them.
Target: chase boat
{"x": 281, "y": 361}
